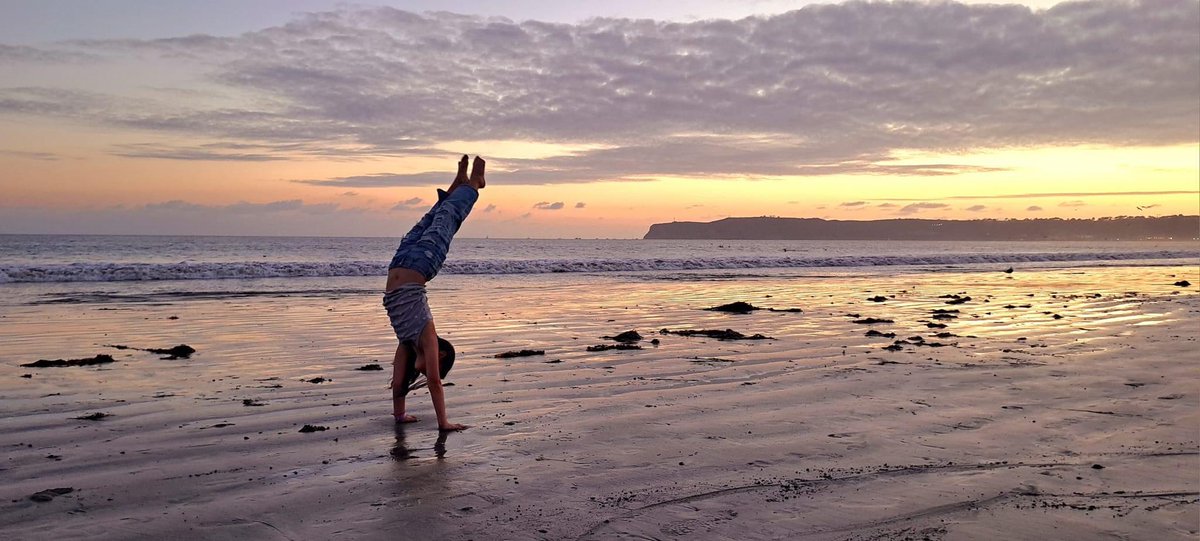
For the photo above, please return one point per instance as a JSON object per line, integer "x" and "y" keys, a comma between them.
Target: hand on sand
{"x": 407, "y": 419}
{"x": 453, "y": 427}
{"x": 476, "y": 181}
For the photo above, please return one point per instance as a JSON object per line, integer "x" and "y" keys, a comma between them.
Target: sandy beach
{"x": 1050, "y": 404}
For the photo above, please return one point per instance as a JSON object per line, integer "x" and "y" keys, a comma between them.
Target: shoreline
{"x": 816, "y": 434}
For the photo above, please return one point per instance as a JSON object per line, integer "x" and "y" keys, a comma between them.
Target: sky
{"x": 313, "y": 117}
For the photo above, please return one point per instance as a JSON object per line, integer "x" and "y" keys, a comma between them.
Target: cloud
{"x": 546, "y": 205}
{"x": 853, "y": 204}
{"x": 976, "y": 208}
{"x": 292, "y": 206}
{"x": 489, "y": 208}
{"x": 407, "y": 204}
{"x": 1073, "y": 204}
{"x": 918, "y": 207}
{"x": 10, "y": 54}
{"x": 580, "y": 205}
{"x": 381, "y": 180}
{"x": 886, "y": 205}
{"x": 209, "y": 152}
{"x": 1033, "y": 208}
{"x": 32, "y": 155}
{"x": 176, "y": 205}
{"x": 350, "y": 194}
{"x": 820, "y": 90}
{"x": 179, "y": 217}
{"x": 274, "y": 206}
{"x": 1053, "y": 194}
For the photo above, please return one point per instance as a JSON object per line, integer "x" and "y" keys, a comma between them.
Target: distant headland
{"x": 774, "y": 228}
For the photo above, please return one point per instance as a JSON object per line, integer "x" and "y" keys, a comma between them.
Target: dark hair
{"x": 445, "y": 361}
{"x": 445, "y": 356}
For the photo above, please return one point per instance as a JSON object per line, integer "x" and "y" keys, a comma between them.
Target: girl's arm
{"x": 399, "y": 362}
{"x": 429, "y": 354}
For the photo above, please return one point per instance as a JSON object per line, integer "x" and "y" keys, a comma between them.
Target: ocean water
{"x": 81, "y": 269}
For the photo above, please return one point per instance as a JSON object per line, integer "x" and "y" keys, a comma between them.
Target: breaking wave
{"x": 125, "y": 272}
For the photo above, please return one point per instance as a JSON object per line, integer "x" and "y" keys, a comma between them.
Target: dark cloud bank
{"x": 821, "y": 90}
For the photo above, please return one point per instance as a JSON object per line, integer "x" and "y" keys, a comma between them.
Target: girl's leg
{"x": 428, "y": 251}
{"x": 422, "y": 225}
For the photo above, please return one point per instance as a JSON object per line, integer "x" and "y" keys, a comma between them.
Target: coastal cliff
{"x": 774, "y": 228}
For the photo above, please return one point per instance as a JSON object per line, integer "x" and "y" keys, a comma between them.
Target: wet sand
{"x": 1017, "y": 425}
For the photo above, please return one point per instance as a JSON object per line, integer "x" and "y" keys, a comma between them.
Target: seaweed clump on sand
{"x": 521, "y": 353}
{"x": 606, "y": 347}
{"x": 89, "y": 361}
{"x": 369, "y": 367}
{"x": 872, "y": 321}
{"x": 182, "y": 351}
{"x": 738, "y": 307}
{"x": 625, "y": 337}
{"x": 50, "y": 494}
{"x": 727, "y": 334}
{"x": 94, "y": 416}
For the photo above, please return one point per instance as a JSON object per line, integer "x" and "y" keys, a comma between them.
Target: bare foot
{"x": 406, "y": 419}
{"x": 476, "y": 181}
{"x": 461, "y": 177}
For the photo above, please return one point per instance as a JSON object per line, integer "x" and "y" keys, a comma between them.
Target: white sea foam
{"x": 126, "y": 272}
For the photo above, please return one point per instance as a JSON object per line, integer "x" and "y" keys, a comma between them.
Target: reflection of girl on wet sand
{"x": 401, "y": 450}
{"x": 418, "y": 259}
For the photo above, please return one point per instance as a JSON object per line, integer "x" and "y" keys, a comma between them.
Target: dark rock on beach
{"x": 738, "y": 307}
{"x": 877, "y": 298}
{"x": 317, "y": 380}
{"x": 43, "y": 363}
{"x": 944, "y": 316}
{"x": 627, "y": 336}
{"x": 792, "y": 310}
{"x": 521, "y": 353}
{"x": 935, "y": 325}
{"x": 1183, "y": 283}
{"x": 896, "y": 346}
{"x": 727, "y": 334}
{"x": 250, "y": 402}
{"x": 50, "y": 494}
{"x": 955, "y": 299}
{"x": 313, "y": 428}
{"x": 369, "y": 367}
{"x": 873, "y": 332}
{"x": 606, "y": 347}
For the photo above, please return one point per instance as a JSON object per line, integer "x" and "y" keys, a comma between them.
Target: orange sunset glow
{"x": 342, "y": 121}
